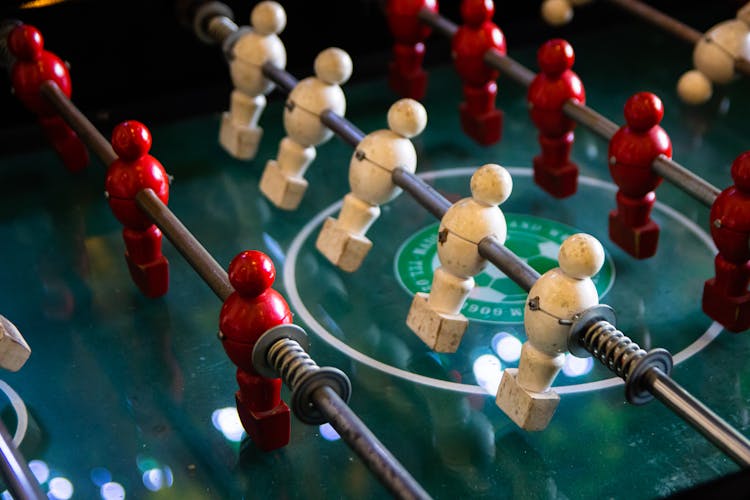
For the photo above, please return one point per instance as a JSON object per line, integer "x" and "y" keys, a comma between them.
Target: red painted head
{"x": 643, "y": 111}
{"x": 476, "y": 12}
{"x": 131, "y": 140}
{"x": 555, "y": 56}
{"x": 741, "y": 171}
{"x": 26, "y": 43}
{"x": 251, "y": 273}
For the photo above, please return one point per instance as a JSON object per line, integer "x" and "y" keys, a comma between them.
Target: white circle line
{"x": 22, "y": 414}
{"x": 290, "y": 284}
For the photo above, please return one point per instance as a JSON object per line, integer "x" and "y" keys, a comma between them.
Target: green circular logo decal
{"x": 495, "y": 298}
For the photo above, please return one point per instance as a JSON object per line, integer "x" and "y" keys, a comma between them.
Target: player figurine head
{"x": 333, "y": 66}
{"x": 741, "y": 172}
{"x": 268, "y": 18}
{"x": 643, "y": 111}
{"x": 25, "y": 42}
{"x": 491, "y": 184}
{"x": 581, "y": 256}
{"x": 251, "y": 273}
{"x": 407, "y": 118}
{"x": 131, "y": 140}
{"x": 555, "y": 57}
{"x": 476, "y": 12}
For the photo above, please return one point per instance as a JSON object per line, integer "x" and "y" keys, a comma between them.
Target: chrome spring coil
{"x": 610, "y": 346}
{"x": 291, "y": 361}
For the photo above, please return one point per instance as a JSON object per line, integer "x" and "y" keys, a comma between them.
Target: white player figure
{"x": 283, "y": 181}
{"x": 559, "y": 12}
{"x": 14, "y": 351}
{"x": 436, "y": 317}
{"x": 239, "y": 133}
{"x": 714, "y": 58}
{"x": 343, "y": 241}
{"x": 555, "y": 299}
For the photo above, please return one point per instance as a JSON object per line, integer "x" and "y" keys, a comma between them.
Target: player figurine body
{"x": 343, "y": 241}
{"x": 480, "y": 119}
{"x": 240, "y": 133}
{"x": 33, "y": 66}
{"x": 405, "y": 74}
{"x": 548, "y": 92}
{"x": 436, "y": 317}
{"x": 253, "y": 308}
{"x": 132, "y": 172}
{"x": 725, "y": 297}
{"x": 632, "y": 150}
{"x": 714, "y": 58}
{"x": 283, "y": 181}
{"x": 557, "y": 296}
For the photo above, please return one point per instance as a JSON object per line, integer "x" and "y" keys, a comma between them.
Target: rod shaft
{"x": 363, "y": 442}
{"x": 342, "y": 127}
{"x": 440, "y": 24}
{"x": 695, "y": 413}
{"x": 191, "y": 249}
{"x": 423, "y": 193}
{"x": 18, "y": 478}
{"x": 589, "y": 118}
{"x": 221, "y": 27}
{"x": 281, "y": 77}
{"x": 506, "y": 261}
{"x": 86, "y": 131}
{"x": 686, "y": 180}
{"x": 659, "y": 19}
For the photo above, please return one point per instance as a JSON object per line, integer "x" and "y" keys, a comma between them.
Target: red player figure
{"x": 253, "y": 308}
{"x": 632, "y": 150}
{"x": 725, "y": 297}
{"x": 548, "y": 92}
{"x": 32, "y": 67}
{"x": 405, "y": 74}
{"x": 479, "y": 118}
{"x": 132, "y": 172}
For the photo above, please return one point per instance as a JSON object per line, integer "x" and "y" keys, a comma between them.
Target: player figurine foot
{"x": 405, "y": 74}
{"x": 283, "y": 181}
{"x": 436, "y": 317}
{"x": 240, "y": 133}
{"x": 725, "y": 297}
{"x": 632, "y": 150}
{"x": 248, "y": 313}
{"x": 479, "y": 118}
{"x": 134, "y": 171}
{"x": 558, "y": 295}
{"x": 14, "y": 351}
{"x": 33, "y": 67}
{"x": 343, "y": 241}
{"x": 555, "y": 85}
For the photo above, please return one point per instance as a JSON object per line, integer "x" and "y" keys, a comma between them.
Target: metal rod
{"x": 659, "y": 19}
{"x": 282, "y": 78}
{"x": 504, "y": 259}
{"x": 191, "y": 249}
{"x": 691, "y": 184}
{"x": 423, "y": 193}
{"x": 342, "y": 127}
{"x": 86, "y": 131}
{"x": 695, "y": 413}
{"x": 18, "y": 478}
{"x": 364, "y": 443}
{"x": 221, "y": 27}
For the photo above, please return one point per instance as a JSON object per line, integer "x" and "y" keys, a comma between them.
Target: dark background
{"x": 137, "y": 59}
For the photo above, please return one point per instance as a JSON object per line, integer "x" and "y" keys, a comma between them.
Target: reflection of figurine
{"x": 132, "y": 172}
{"x": 555, "y": 85}
{"x": 479, "y": 118}
{"x": 14, "y": 351}
{"x": 714, "y": 58}
{"x": 632, "y": 150}
{"x": 436, "y": 317}
{"x": 240, "y": 133}
{"x": 253, "y": 308}
{"x": 557, "y": 296}
{"x": 283, "y": 181}
{"x": 34, "y": 66}
{"x": 725, "y": 297}
{"x": 405, "y": 74}
{"x": 343, "y": 241}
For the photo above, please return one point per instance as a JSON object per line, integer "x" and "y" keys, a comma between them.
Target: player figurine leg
{"x": 436, "y": 317}
{"x": 632, "y": 150}
{"x": 134, "y": 171}
{"x": 478, "y": 34}
{"x": 283, "y": 180}
{"x": 248, "y": 313}
{"x": 725, "y": 297}
{"x": 240, "y": 133}
{"x": 405, "y": 74}
{"x": 558, "y": 295}
{"x": 32, "y": 67}
{"x": 343, "y": 241}
{"x": 555, "y": 85}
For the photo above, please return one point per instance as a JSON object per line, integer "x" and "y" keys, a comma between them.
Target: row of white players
{"x": 524, "y": 394}
{"x": 714, "y": 55}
